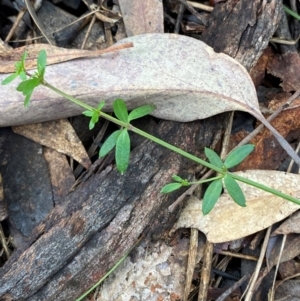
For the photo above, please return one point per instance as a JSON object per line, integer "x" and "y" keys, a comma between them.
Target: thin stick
{"x": 271, "y": 298}
{"x": 238, "y": 255}
{"x": 205, "y": 272}
{"x": 194, "y": 12}
{"x": 38, "y": 23}
{"x": 16, "y": 23}
{"x": 233, "y": 288}
{"x": 254, "y": 277}
{"x": 191, "y": 262}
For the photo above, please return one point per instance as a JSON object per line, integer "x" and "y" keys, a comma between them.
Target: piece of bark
{"x": 134, "y": 200}
{"x": 242, "y": 29}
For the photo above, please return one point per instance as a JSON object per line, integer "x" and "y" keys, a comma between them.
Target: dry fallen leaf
{"x": 291, "y": 225}
{"x": 142, "y": 16}
{"x": 228, "y": 221}
{"x": 286, "y": 67}
{"x": 288, "y": 290}
{"x": 267, "y": 154}
{"x": 289, "y": 268}
{"x": 190, "y": 82}
{"x": 290, "y": 250}
{"x": 58, "y": 135}
{"x": 54, "y": 55}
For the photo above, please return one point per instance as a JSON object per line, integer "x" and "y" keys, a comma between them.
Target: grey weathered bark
{"x": 64, "y": 255}
{"x": 242, "y": 29}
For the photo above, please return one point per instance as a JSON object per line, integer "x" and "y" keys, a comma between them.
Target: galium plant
{"x": 120, "y": 140}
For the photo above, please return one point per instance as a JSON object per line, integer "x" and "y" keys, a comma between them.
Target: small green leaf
{"x": 88, "y": 113}
{"x": 10, "y": 78}
{"x": 122, "y": 151}
{"x": 177, "y": 178}
{"x": 23, "y": 58}
{"x": 19, "y": 67}
{"x": 41, "y": 63}
{"x": 91, "y": 124}
{"x": 27, "y": 86}
{"x": 120, "y": 110}
{"x": 234, "y": 190}
{"x": 213, "y": 157}
{"x": 23, "y": 75}
{"x": 170, "y": 187}
{"x": 238, "y": 155}
{"x": 27, "y": 99}
{"x": 109, "y": 143}
{"x": 140, "y": 112}
{"x": 211, "y": 196}
{"x": 95, "y": 117}
{"x": 101, "y": 105}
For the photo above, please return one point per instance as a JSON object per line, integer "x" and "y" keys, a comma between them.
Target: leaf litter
{"x": 58, "y": 135}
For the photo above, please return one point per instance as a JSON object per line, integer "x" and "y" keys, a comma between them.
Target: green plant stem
{"x": 73, "y": 99}
{"x": 207, "y": 180}
{"x": 175, "y": 149}
{"x": 110, "y": 271}
{"x": 171, "y": 147}
{"x": 134, "y": 129}
{"x": 265, "y": 188}
{"x": 291, "y": 12}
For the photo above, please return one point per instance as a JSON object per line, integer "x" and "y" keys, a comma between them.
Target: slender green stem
{"x": 208, "y": 180}
{"x": 172, "y": 148}
{"x": 134, "y": 129}
{"x": 176, "y": 149}
{"x": 73, "y": 99}
{"x": 265, "y": 188}
{"x": 291, "y": 12}
{"x": 110, "y": 271}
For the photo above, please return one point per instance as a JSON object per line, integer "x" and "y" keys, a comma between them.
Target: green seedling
{"x": 120, "y": 140}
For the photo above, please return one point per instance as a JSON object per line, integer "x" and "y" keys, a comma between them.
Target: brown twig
{"x": 205, "y": 272}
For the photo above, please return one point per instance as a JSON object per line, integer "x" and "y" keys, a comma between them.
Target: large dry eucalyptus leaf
{"x": 228, "y": 221}
{"x": 182, "y": 76}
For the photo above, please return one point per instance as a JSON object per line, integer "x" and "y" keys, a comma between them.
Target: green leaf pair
{"x": 234, "y": 158}
{"x": 120, "y": 138}
{"x": 121, "y": 112}
{"x": 214, "y": 191}
{"x": 215, "y": 188}
{"x": 27, "y": 86}
{"x": 95, "y": 114}
{"x": 174, "y": 186}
